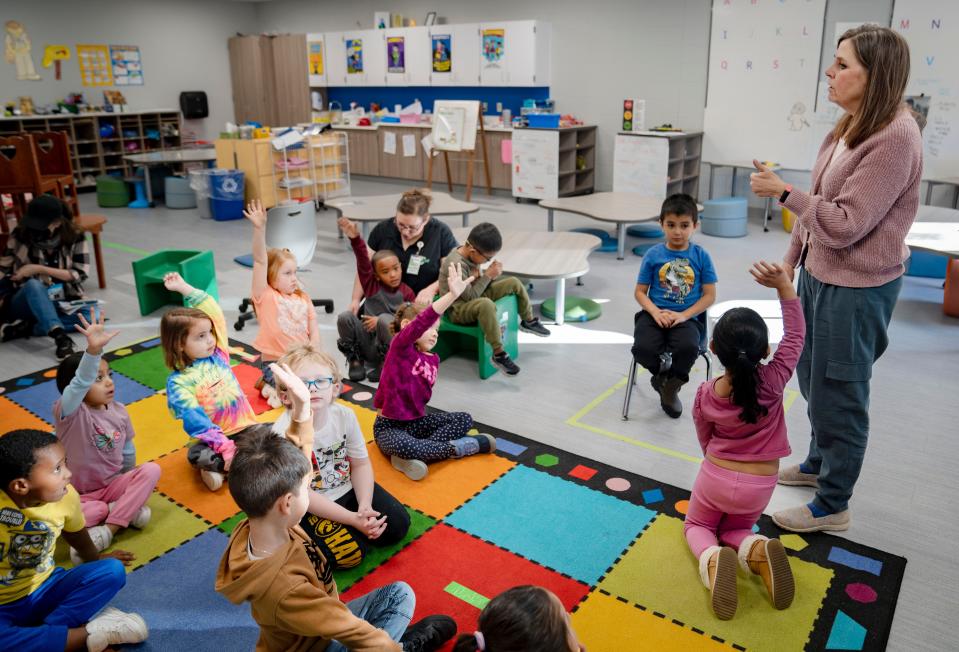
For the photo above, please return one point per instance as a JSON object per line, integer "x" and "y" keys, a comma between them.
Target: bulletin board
{"x": 763, "y": 75}
{"x": 95, "y": 66}
{"x": 127, "y": 65}
{"x": 454, "y": 125}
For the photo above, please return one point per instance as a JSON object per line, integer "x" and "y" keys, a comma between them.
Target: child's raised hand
{"x": 255, "y": 213}
{"x": 175, "y": 283}
{"x": 348, "y": 228}
{"x": 95, "y": 332}
{"x": 456, "y": 281}
{"x": 771, "y": 275}
{"x": 296, "y": 390}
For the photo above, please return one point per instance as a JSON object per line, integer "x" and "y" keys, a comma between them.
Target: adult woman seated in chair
{"x": 45, "y": 249}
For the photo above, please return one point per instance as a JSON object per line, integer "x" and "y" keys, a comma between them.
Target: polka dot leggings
{"x": 421, "y": 439}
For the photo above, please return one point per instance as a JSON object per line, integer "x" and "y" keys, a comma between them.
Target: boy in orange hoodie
{"x": 272, "y": 563}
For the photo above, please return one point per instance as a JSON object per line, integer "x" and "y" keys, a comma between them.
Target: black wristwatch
{"x": 782, "y": 197}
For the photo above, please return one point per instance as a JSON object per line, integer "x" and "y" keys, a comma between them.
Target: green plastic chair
{"x": 112, "y": 192}
{"x": 196, "y": 268}
{"x": 468, "y": 338}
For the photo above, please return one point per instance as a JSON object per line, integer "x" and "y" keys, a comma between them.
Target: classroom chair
{"x": 20, "y": 174}
{"x": 53, "y": 159}
{"x": 703, "y": 352}
{"x": 196, "y": 268}
{"x": 468, "y": 338}
{"x": 93, "y": 224}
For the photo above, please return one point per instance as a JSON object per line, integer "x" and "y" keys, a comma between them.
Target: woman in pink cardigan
{"x": 849, "y": 242}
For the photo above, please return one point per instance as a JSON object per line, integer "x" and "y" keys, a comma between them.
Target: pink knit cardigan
{"x": 855, "y": 220}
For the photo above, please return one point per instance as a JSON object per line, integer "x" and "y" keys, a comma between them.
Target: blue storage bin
{"x": 543, "y": 120}
{"x": 725, "y": 217}
{"x": 926, "y": 264}
{"x": 226, "y": 195}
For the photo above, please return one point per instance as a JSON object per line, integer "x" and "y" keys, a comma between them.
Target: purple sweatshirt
{"x": 406, "y": 382}
{"x": 723, "y": 434}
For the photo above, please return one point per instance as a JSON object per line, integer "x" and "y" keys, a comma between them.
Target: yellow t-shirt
{"x": 27, "y": 540}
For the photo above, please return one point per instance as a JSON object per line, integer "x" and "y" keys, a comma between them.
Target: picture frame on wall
{"x": 381, "y": 19}
{"x": 430, "y": 18}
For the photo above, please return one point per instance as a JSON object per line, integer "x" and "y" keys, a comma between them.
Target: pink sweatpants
{"x": 724, "y": 506}
{"x": 129, "y": 491}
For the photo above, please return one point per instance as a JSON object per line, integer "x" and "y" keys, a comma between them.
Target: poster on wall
{"x": 126, "y": 64}
{"x": 396, "y": 54}
{"x": 16, "y": 50}
{"x": 315, "y": 57}
{"x": 95, "y": 67}
{"x": 493, "y": 46}
{"x": 354, "y": 56}
{"x": 442, "y": 53}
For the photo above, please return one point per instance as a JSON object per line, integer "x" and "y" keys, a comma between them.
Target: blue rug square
{"x": 564, "y": 526}
{"x": 40, "y": 398}
{"x": 201, "y": 620}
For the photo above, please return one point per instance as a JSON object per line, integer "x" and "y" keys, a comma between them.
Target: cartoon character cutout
{"x": 796, "y": 117}
{"x": 333, "y": 465}
{"x": 677, "y": 278}
{"x": 30, "y": 550}
{"x": 16, "y": 50}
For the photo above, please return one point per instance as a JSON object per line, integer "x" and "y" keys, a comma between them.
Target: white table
{"x": 381, "y": 207}
{"x": 167, "y": 156}
{"x": 622, "y": 208}
{"x": 549, "y": 255}
{"x": 769, "y": 309}
{"x": 940, "y": 238}
{"x": 737, "y": 165}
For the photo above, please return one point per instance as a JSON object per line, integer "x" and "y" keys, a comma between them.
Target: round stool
{"x": 577, "y": 309}
{"x": 608, "y": 241}
{"x": 645, "y": 230}
{"x": 640, "y": 250}
{"x": 725, "y": 217}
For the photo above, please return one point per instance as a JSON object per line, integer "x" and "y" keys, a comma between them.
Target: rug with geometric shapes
{"x": 607, "y": 542}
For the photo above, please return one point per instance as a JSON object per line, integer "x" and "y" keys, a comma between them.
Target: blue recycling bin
{"x": 226, "y": 194}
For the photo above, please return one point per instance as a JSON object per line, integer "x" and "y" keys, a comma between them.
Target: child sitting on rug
{"x": 365, "y": 336}
{"x": 741, "y": 427}
{"x": 275, "y": 566}
{"x": 43, "y": 606}
{"x": 477, "y": 303}
{"x": 202, "y": 391}
{"x": 94, "y": 430}
{"x": 402, "y": 428}
{"x": 348, "y": 510}
{"x": 528, "y": 618}
{"x": 677, "y": 282}
{"x": 284, "y": 311}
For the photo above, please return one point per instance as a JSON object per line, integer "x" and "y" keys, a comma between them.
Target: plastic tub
{"x": 178, "y": 193}
{"x": 543, "y": 120}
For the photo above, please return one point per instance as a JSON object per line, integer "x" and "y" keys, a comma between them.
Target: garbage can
{"x": 226, "y": 194}
{"x": 200, "y": 183}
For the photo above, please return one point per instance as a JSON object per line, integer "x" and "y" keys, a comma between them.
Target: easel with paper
{"x": 455, "y": 123}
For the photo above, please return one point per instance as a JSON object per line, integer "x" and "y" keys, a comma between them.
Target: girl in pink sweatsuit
{"x": 741, "y": 427}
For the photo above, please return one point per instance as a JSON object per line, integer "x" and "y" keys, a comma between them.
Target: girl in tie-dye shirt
{"x": 202, "y": 390}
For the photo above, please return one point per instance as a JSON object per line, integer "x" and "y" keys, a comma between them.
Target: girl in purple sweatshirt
{"x": 741, "y": 427}
{"x": 402, "y": 428}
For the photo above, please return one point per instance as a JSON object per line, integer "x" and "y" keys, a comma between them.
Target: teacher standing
{"x": 849, "y": 243}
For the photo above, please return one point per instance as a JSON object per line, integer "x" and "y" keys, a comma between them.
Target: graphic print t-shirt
{"x": 676, "y": 278}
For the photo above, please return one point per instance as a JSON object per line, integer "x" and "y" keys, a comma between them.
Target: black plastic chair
{"x": 247, "y": 303}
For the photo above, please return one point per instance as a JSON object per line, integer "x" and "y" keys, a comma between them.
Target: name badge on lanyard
{"x": 416, "y": 260}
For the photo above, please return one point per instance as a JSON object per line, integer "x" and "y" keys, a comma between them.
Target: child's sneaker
{"x": 534, "y": 326}
{"x": 65, "y": 346}
{"x": 473, "y": 444}
{"x": 428, "y": 634}
{"x": 356, "y": 371}
{"x": 768, "y": 559}
{"x": 101, "y": 536}
{"x": 212, "y": 479}
{"x": 141, "y": 518}
{"x": 16, "y": 329}
{"x": 373, "y": 375}
{"x": 115, "y": 627}
{"x": 412, "y": 469}
{"x": 504, "y": 363}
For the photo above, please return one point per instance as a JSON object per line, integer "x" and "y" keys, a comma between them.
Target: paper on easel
{"x": 389, "y": 142}
{"x": 427, "y": 142}
{"x": 409, "y": 145}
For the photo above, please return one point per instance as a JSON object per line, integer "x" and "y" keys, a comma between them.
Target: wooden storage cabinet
{"x": 399, "y": 165}
{"x": 364, "y": 150}
{"x": 270, "y": 79}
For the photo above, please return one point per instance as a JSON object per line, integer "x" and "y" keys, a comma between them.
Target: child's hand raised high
{"x": 255, "y": 213}
{"x": 175, "y": 283}
{"x": 296, "y": 390}
{"x": 348, "y": 228}
{"x": 95, "y": 332}
{"x": 456, "y": 282}
{"x": 773, "y": 275}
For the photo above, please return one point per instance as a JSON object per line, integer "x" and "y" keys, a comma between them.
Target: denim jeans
{"x": 389, "y": 608}
{"x": 31, "y": 301}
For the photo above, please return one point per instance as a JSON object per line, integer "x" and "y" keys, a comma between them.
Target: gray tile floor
{"x": 570, "y": 391}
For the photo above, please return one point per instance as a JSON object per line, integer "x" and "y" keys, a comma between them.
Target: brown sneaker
{"x": 717, "y": 569}
{"x": 793, "y": 477}
{"x": 800, "y": 519}
{"x": 768, "y": 559}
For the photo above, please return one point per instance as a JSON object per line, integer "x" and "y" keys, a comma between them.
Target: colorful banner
{"x": 354, "y": 56}
{"x": 442, "y": 53}
{"x": 493, "y": 45}
{"x": 315, "y": 57}
{"x": 95, "y": 68}
{"x": 396, "y": 54}
{"x": 127, "y": 66}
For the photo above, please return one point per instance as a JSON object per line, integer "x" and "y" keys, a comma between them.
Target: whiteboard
{"x": 641, "y": 165}
{"x": 536, "y": 163}
{"x": 932, "y": 28}
{"x": 763, "y": 73}
{"x": 454, "y": 125}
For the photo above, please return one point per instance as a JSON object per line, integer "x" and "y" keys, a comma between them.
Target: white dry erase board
{"x": 763, "y": 73}
{"x": 932, "y": 29}
{"x": 454, "y": 125}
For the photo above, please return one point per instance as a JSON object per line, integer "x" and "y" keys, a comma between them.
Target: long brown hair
{"x": 174, "y": 328}
{"x": 884, "y": 54}
{"x": 69, "y": 233}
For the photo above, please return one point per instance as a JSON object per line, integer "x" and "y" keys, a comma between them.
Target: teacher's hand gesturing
{"x": 765, "y": 182}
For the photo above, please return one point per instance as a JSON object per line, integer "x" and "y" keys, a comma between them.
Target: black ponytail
{"x": 521, "y": 618}
{"x": 741, "y": 340}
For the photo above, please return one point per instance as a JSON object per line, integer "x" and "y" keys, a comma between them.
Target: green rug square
{"x": 230, "y": 524}
{"x": 419, "y": 523}
{"x": 145, "y": 367}
{"x": 660, "y": 573}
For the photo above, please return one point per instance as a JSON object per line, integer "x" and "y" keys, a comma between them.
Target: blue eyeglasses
{"x": 318, "y": 383}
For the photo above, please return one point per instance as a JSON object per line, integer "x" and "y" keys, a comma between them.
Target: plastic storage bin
{"x": 178, "y": 193}
{"x": 200, "y": 184}
{"x": 112, "y": 192}
{"x": 226, "y": 194}
{"x": 196, "y": 268}
{"x": 725, "y": 218}
{"x": 543, "y": 120}
{"x": 925, "y": 264}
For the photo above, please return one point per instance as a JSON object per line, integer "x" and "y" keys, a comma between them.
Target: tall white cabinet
{"x": 523, "y": 59}
{"x": 368, "y": 46}
{"x": 413, "y": 47}
{"x": 464, "y": 56}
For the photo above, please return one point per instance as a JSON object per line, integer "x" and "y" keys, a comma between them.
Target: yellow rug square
{"x": 14, "y": 417}
{"x": 659, "y": 573}
{"x": 365, "y": 416}
{"x": 448, "y": 484}
{"x": 157, "y": 432}
{"x": 605, "y": 624}
{"x": 182, "y": 483}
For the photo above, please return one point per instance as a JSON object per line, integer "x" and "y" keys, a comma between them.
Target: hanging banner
{"x": 493, "y": 45}
{"x": 354, "y": 56}
{"x": 95, "y": 67}
{"x": 396, "y": 54}
{"x": 127, "y": 67}
{"x": 442, "y": 53}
